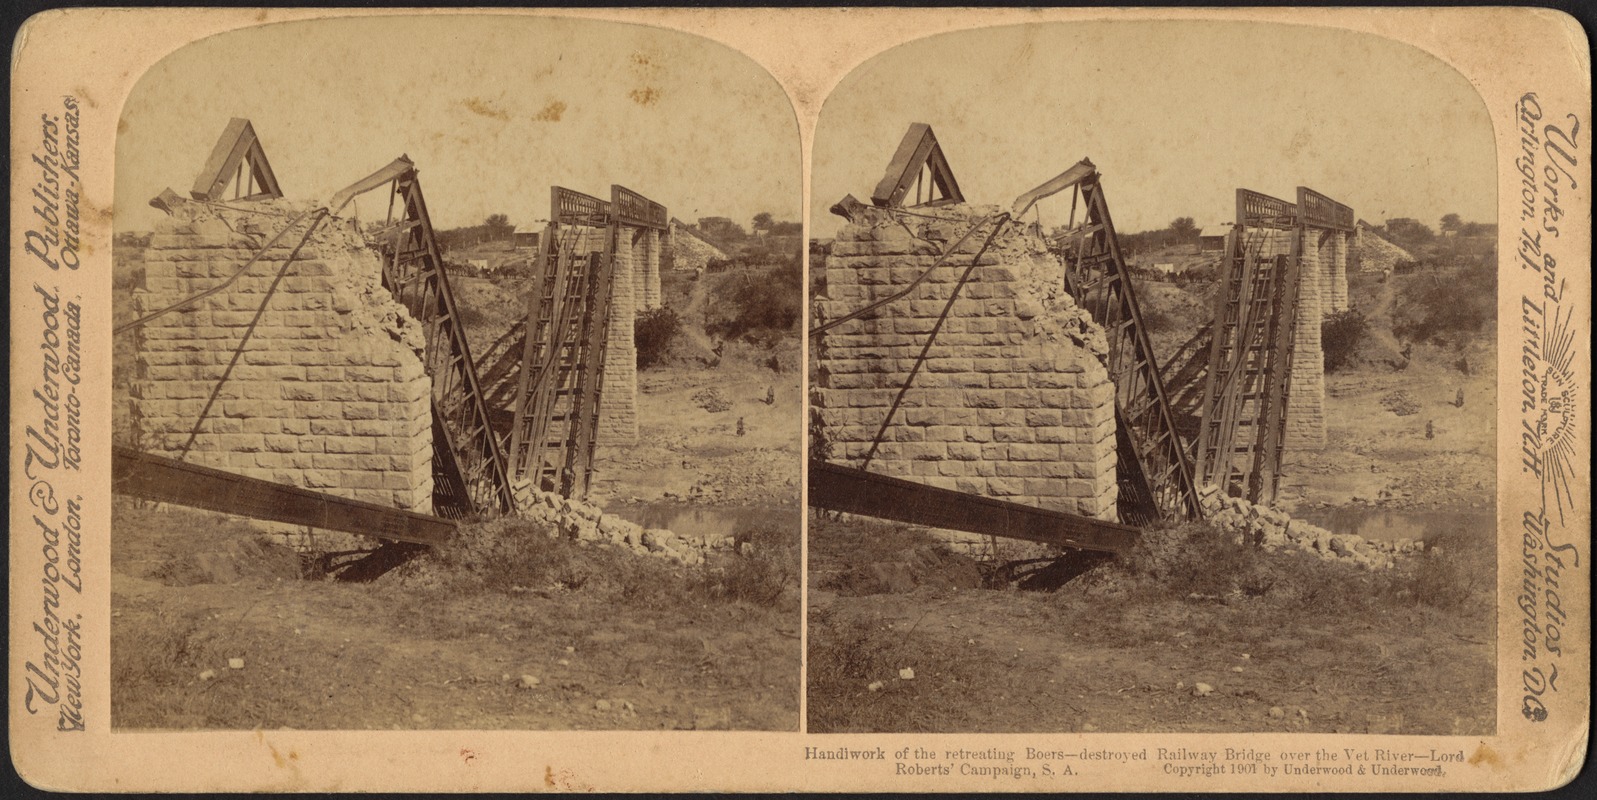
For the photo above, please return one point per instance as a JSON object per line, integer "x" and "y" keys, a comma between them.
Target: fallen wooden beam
{"x": 168, "y": 480}
{"x": 855, "y": 491}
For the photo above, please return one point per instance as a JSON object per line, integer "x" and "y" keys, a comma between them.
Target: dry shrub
{"x": 514, "y": 556}
{"x": 756, "y": 580}
{"x": 1194, "y": 561}
{"x": 654, "y": 332}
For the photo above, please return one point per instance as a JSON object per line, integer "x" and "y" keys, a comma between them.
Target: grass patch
{"x": 509, "y": 556}
{"x": 1194, "y": 561}
{"x": 850, "y": 654}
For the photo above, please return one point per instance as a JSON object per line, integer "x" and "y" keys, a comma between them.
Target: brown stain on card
{"x": 481, "y": 107}
{"x": 1485, "y": 755}
{"x": 550, "y": 113}
{"x": 646, "y": 96}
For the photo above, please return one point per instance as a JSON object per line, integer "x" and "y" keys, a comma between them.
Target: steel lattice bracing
{"x": 1154, "y": 473}
{"x": 469, "y": 470}
{"x": 555, "y": 428}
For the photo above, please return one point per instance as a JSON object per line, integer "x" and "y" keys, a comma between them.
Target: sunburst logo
{"x": 1559, "y": 402}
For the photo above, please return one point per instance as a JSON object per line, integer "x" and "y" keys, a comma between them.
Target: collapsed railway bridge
{"x": 973, "y": 376}
{"x": 299, "y": 366}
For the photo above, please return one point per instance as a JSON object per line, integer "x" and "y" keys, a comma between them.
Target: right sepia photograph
{"x": 1152, "y": 373}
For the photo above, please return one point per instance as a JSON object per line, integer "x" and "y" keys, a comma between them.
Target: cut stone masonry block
{"x": 308, "y": 374}
{"x": 1013, "y": 400}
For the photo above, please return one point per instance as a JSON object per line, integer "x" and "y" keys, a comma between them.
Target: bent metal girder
{"x": 554, "y": 431}
{"x": 1153, "y": 470}
{"x": 469, "y": 470}
{"x": 168, "y": 480}
{"x": 1152, "y": 465}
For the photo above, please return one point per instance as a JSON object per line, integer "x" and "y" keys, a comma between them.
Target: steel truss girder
{"x": 1153, "y": 469}
{"x": 469, "y": 469}
{"x": 919, "y": 158}
{"x": 1247, "y": 394}
{"x": 237, "y": 160}
{"x": 554, "y": 432}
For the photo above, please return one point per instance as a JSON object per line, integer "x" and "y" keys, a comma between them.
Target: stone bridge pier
{"x": 1013, "y": 400}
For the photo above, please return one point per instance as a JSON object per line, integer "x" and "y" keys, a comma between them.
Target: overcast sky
{"x": 1176, "y": 116}
{"x": 493, "y": 110}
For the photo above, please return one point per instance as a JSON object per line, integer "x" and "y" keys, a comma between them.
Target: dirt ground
{"x": 636, "y": 647}
{"x": 190, "y": 591}
{"x": 985, "y": 661}
{"x": 1408, "y": 653}
{"x": 688, "y": 453}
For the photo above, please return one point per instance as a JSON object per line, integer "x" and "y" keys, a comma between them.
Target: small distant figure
{"x": 1430, "y": 429}
{"x": 1458, "y": 399}
{"x": 741, "y": 429}
{"x": 770, "y": 395}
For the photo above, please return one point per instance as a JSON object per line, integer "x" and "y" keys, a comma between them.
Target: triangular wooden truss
{"x": 920, "y": 165}
{"x": 237, "y": 161}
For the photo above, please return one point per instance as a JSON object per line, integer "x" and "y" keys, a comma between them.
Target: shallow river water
{"x": 1379, "y": 523}
{"x": 719, "y": 520}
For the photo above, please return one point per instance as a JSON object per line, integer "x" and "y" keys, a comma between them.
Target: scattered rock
{"x": 1401, "y": 403}
{"x": 712, "y": 399}
{"x": 1277, "y": 712}
{"x": 906, "y": 674}
{"x": 1236, "y": 669}
{"x": 602, "y": 705}
{"x": 207, "y": 675}
{"x": 529, "y": 682}
{"x": 1088, "y": 727}
{"x": 875, "y": 686}
{"x": 235, "y": 663}
{"x": 1202, "y": 690}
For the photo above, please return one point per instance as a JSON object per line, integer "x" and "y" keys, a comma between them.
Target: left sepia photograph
{"x": 457, "y": 382}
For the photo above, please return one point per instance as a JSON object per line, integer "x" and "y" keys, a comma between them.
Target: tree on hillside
{"x": 1184, "y": 228}
{"x": 722, "y": 230}
{"x": 762, "y": 221}
{"x": 1408, "y": 233}
{"x": 498, "y": 226}
{"x": 1451, "y": 222}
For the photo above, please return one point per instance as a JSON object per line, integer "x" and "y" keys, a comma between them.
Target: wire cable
{"x": 1000, "y": 218}
{"x": 249, "y": 332}
{"x": 146, "y": 319}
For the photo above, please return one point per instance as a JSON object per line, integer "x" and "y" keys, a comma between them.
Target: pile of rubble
{"x": 1274, "y": 530}
{"x": 574, "y": 519}
{"x": 690, "y": 250}
{"x": 1376, "y": 254}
